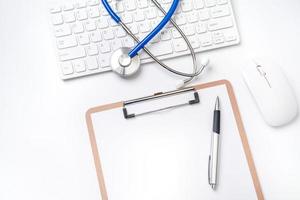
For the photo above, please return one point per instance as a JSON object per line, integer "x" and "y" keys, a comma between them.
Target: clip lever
{"x": 160, "y": 95}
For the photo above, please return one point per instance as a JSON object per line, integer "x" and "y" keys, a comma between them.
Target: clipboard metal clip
{"x": 160, "y": 95}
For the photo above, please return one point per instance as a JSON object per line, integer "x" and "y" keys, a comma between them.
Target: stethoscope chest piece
{"x": 123, "y": 64}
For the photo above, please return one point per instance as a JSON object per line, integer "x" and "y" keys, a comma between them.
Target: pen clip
{"x": 209, "y": 160}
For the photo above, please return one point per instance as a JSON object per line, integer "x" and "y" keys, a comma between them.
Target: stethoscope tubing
{"x": 111, "y": 12}
{"x": 189, "y": 76}
{"x": 152, "y": 34}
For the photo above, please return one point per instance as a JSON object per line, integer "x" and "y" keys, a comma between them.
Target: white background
{"x": 44, "y": 148}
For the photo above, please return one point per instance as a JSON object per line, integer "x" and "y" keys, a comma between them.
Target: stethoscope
{"x": 126, "y": 62}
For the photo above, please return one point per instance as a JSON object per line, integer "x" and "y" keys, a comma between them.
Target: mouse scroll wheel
{"x": 261, "y": 71}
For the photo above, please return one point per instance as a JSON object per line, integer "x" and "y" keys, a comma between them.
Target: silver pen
{"x": 214, "y": 148}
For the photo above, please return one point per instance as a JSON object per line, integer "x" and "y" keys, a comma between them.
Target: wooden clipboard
{"x": 237, "y": 117}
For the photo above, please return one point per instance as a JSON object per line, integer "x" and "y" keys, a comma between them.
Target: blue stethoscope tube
{"x": 151, "y": 35}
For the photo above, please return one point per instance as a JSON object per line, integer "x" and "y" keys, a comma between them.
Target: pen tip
{"x": 217, "y": 105}
{"x": 213, "y": 186}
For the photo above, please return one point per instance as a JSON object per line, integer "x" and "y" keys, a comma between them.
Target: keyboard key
{"x": 230, "y": 35}
{"x": 142, "y": 3}
{"x": 104, "y": 60}
{"x": 165, "y": 7}
{"x": 68, "y": 6}
{"x": 133, "y": 28}
{"x": 112, "y": 22}
{"x": 126, "y": 18}
{"x": 198, "y": 4}
{"x": 55, "y": 9}
{"x": 90, "y": 26}
{"x": 204, "y": 14}
{"x": 144, "y": 27}
{"x": 189, "y": 30}
{"x": 128, "y": 42}
{"x": 219, "y": 40}
{"x": 201, "y": 28}
{"x": 95, "y": 36}
{"x": 83, "y": 39}
{"x": 108, "y": 34}
{"x": 93, "y": 12}
{"x": 139, "y": 16}
{"x": 66, "y": 42}
{"x": 104, "y": 47}
{"x": 230, "y": 38}
{"x": 220, "y": 2}
{"x": 151, "y": 3}
{"x": 219, "y": 11}
{"x": 175, "y": 33}
{"x": 155, "y": 22}
{"x": 81, "y": 14}
{"x": 160, "y": 14}
{"x": 79, "y": 65}
{"x": 178, "y": 10}
{"x": 186, "y": 6}
{"x": 102, "y": 23}
{"x": 180, "y": 45}
{"x": 67, "y": 68}
{"x": 193, "y": 17}
{"x": 218, "y": 37}
{"x": 205, "y": 39}
{"x": 119, "y": 7}
{"x": 130, "y": 5}
{"x": 69, "y": 17}
{"x": 166, "y": 1}
{"x": 217, "y": 34}
{"x": 92, "y": 50}
{"x": 92, "y": 63}
{"x": 103, "y": 12}
{"x": 210, "y": 3}
{"x": 57, "y": 19}
{"x": 77, "y": 28}
{"x": 93, "y": 2}
{"x": 72, "y": 53}
{"x": 151, "y": 13}
{"x": 80, "y": 4}
{"x": 120, "y": 32}
{"x": 194, "y": 42}
{"x": 220, "y": 23}
{"x": 62, "y": 30}
{"x": 116, "y": 44}
{"x": 165, "y": 34}
{"x": 180, "y": 19}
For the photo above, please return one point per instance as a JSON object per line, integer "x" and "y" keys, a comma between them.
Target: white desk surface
{"x": 44, "y": 147}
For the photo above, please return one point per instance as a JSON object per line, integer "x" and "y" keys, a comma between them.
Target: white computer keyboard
{"x": 86, "y": 35}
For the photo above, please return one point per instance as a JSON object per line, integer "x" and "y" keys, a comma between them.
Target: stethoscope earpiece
{"x": 204, "y": 61}
{"x": 181, "y": 83}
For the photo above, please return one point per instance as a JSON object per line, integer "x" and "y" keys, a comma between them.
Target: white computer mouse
{"x": 271, "y": 91}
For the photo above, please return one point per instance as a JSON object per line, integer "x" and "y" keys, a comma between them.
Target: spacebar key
{"x": 72, "y": 53}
